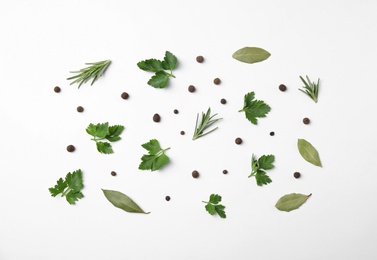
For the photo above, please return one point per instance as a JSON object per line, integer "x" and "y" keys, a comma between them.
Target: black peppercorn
{"x": 200, "y": 59}
{"x": 167, "y": 198}
{"x": 272, "y": 133}
{"x": 225, "y": 171}
{"x": 156, "y": 118}
{"x": 182, "y": 132}
{"x": 57, "y": 89}
{"x": 297, "y": 175}
{"x": 223, "y": 101}
{"x": 70, "y": 148}
{"x": 191, "y": 88}
{"x": 238, "y": 140}
{"x": 80, "y": 109}
{"x": 195, "y": 174}
{"x": 217, "y": 81}
{"x": 176, "y": 111}
{"x": 282, "y": 87}
{"x": 306, "y": 121}
{"x": 125, "y": 95}
{"x": 113, "y": 173}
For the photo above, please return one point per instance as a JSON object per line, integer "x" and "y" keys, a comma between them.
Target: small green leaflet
{"x": 251, "y": 55}
{"x": 122, "y": 201}
{"x": 70, "y": 187}
{"x": 265, "y": 162}
{"x": 156, "y": 157}
{"x": 254, "y": 108}
{"x": 93, "y": 71}
{"x": 291, "y": 201}
{"x": 104, "y": 131}
{"x": 213, "y": 206}
{"x": 161, "y": 76}
{"x": 308, "y": 152}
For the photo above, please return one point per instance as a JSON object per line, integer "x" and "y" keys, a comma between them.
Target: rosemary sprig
{"x": 206, "y": 121}
{"x": 94, "y": 71}
{"x": 310, "y": 88}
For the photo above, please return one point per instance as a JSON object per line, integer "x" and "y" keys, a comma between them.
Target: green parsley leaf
{"x": 104, "y": 131}
{"x": 151, "y": 65}
{"x": 161, "y": 77}
{"x": 254, "y": 108}
{"x": 70, "y": 188}
{"x": 159, "y": 80}
{"x": 265, "y": 162}
{"x": 156, "y": 157}
{"x": 212, "y": 206}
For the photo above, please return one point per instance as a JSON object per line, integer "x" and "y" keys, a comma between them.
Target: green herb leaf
{"x": 159, "y": 80}
{"x": 94, "y": 71}
{"x": 308, "y": 152}
{"x": 161, "y": 77}
{"x": 310, "y": 88}
{"x": 251, "y": 54}
{"x": 104, "y": 131}
{"x": 265, "y": 162}
{"x": 206, "y": 121}
{"x": 156, "y": 157}
{"x": 212, "y": 206}
{"x": 122, "y": 201}
{"x": 291, "y": 201}
{"x": 151, "y": 65}
{"x": 70, "y": 188}
{"x": 254, "y": 108}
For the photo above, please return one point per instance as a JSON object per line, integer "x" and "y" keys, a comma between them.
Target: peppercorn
{"x": 80, "y": 109}
{"x": 191, "y": 88}
{"x": 297, "y": 175}
{"x": 156, "y": 118}
{"x": 282, "y": 87}
{"x": 238, "y": 140}
{"x": 176, "y": 111}
{"x": 217, "y": 81}
{"x": 57, "y": 89}
{"x": 195, "y": 174}
{"x": 200, "y": 59}
{"x": 182, "y": 132}
{"x": 272, "y": 133}
{"x": 306, "y": 121}
{"x": 225, "y": 171}
{"x": 70, "y": 148}
{"x": 223, "y": 101}
{"x": 113, "y": 173}
{"x": 125, "y": 95}
{"x": 167, "y": 198}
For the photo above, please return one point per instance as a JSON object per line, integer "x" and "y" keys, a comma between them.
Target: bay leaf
{"x": 251, "y": 55}
{"x": 308, "y": 152}
{"x": 122, "y": 201}
{"x": 291, "y": 201}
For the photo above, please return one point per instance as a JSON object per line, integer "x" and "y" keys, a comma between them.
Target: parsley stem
{"x": 66, "y": 192}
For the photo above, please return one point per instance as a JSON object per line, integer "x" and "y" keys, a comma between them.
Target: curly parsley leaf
{"x": 254, "y": 108}
{"x": 70, "y": 188}
{"x": 163, "y": 69}
{"x": 156, "y": 157}
{"x": 265, "y": 162}
{"x": 104, "y": 131}
{"x": 212, "y": 206}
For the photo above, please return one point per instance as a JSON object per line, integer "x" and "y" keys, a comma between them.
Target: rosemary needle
{"x": 205, "y": 122}
{"x": 93, "y": 71}
{"x": 310, "y": 88}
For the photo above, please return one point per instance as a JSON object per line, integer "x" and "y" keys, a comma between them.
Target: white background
{"x": 41, "y": 41}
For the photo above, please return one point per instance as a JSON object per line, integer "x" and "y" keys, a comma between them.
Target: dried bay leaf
{"x": 308, "y": 152}
{"x": 122, "y": 201}
{"x": 291, "y": 201}
{"x": 251, "y": 55}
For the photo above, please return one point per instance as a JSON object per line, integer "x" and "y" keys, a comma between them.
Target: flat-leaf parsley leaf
{"x": 254, "y": 108}
{"x": 213, "y": 206}
{"x": 265, "y": 162}
{"x": 156, "y": 157}
{"x": 70, "y": 187}
{"x": 104, "y": 131}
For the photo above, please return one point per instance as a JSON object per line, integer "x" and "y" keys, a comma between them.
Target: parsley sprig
{"x": 310, "y": 88}
{"x": 102, "y": 132}
{"x": 213, "y": 206}
{"x": 163, "y": 69}
{"x": 94, "y": 71}
{"x": 70, "y": 188}
{"x": 156, "y": 157}
{"x": 205, "y": 122}
{"x": 254, "y": 108}
{"x": 265, "y": 162}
